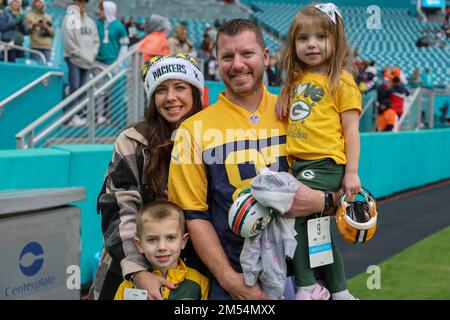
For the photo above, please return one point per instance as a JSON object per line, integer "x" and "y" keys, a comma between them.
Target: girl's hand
{"x": 281, "y": 107}
{"x": 351, "y": 184}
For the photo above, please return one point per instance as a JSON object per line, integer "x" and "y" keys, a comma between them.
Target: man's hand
{"x": 152, "y": 283}
{"x": 234, "y": 284}
{"x": 307, "y": 201}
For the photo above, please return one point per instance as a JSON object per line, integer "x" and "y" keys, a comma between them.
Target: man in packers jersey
{"x": 218, "y": 151}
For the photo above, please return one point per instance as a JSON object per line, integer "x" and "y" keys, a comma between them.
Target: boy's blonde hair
{"x": 159, "y": 210}
{"x": 341, "y": 57}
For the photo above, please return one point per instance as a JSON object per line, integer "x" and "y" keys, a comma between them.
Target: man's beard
{"x": 256, "y": 85}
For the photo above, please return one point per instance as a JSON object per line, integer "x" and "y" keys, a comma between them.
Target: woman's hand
{"x": 152, "y": 283}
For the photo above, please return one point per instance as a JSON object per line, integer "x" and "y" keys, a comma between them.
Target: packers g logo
{"x": 307, "y": 174}
{"x": 299, "y": 110}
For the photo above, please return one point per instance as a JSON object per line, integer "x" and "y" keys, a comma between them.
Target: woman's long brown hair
{"x": 158, "y": 133}
{"x": 341, "y": 57}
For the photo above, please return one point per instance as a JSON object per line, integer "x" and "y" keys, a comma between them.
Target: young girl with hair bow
{"x": 323, "y": 103}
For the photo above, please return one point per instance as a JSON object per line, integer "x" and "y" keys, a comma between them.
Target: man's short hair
{"x": 237, "y": 26}
{"x": 159, "y": 210}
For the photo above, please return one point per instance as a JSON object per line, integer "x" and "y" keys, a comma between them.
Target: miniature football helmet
{"x": 357, "y": 220}
{"x": 247, "y": 217}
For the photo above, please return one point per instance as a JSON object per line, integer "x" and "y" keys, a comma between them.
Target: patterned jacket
{"x": 123, "y": 193}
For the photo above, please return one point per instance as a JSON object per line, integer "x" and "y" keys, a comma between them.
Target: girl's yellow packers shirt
{"x": 315, "y": 129}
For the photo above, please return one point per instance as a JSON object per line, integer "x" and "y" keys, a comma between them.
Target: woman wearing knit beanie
{"x": 139, "y": 171}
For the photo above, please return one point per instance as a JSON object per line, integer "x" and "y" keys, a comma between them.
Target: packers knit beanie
{"x": 172, "y": 67}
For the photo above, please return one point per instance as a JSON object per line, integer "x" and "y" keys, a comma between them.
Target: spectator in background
{"x": 40, "y": 26}
{"x": 26, "y": 5}
{"x": 81, "y": 45}
{"x": 398, "y": 95}
{"x": 372, "y": 71}
{"x": 140, "y": 23}
{"x": 272, "y": 73}
{"x": 278, "y": 55}
{"x": 370, "y": 83}
{"x": 208, "y": 28}
{"x": 179, "y": 42}
{"x": 446, "y": 25}
{"x": 123, "y": 21}
{"x": 7, "y": 27}
{"x": 387, "y": 118}
{"x": 15, "y": 9}
{"x": 155, "y": 42}
{"x": 113, "y": 45}
{"x": 387, "y": 74}
{"x": 443, "y": 115}
{"x": 132, "y": 31}
{"x": 441, "y": 39}
{"x": 113, "y": 36}
{"x": 427, "y": 79}
{"x": 397, "y": 72}
{"x": 414, "y": 81}
{"x": 361, "y": 76}
{"x": 209, "y": 61}
{"x": 130, "y": 26}
{"x": 212, "y": 30}
{"x": 384, "y": 90}
{"x": 424, "y": 41}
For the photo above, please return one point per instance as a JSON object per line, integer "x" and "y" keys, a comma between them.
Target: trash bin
{"x": 40, "y": 244}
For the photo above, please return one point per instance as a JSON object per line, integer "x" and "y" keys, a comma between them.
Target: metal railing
{"x": 32, "y": 84}
{"x": 420, "y": 112}
{"x": 406, "y": 121}
{"x": 96, "y": 113}
{"x": 368, "y": 113}
{"x": 5, "y": 47}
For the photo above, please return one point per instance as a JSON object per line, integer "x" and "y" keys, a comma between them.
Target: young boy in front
{"x": 160, "y": 237}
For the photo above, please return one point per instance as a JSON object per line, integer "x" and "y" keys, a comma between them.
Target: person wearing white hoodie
{"x": 113, "y": 35}
{"x": 81, "y": 43}
{"x": 113, "y": 44}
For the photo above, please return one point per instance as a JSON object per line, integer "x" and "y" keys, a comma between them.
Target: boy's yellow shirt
{"x": 192, "y": 285}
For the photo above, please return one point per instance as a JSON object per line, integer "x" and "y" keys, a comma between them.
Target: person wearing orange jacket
{"x": 387, "y": 118}
{"x": 155, "y": 43}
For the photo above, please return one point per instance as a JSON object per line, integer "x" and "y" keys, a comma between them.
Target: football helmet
{"x": 357, "y": 220}
{"x": 247, "y": 217}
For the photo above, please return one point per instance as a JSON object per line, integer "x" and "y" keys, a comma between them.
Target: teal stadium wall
{"x": 23, "y": 110}
{"x": 58, "y": 167}
{"x": 390, "y": 162}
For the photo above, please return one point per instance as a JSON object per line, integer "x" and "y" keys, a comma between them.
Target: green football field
{"x": 421, "y": 271}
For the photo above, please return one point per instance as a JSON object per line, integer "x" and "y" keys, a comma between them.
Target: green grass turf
{"x": 421, "y": 271}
